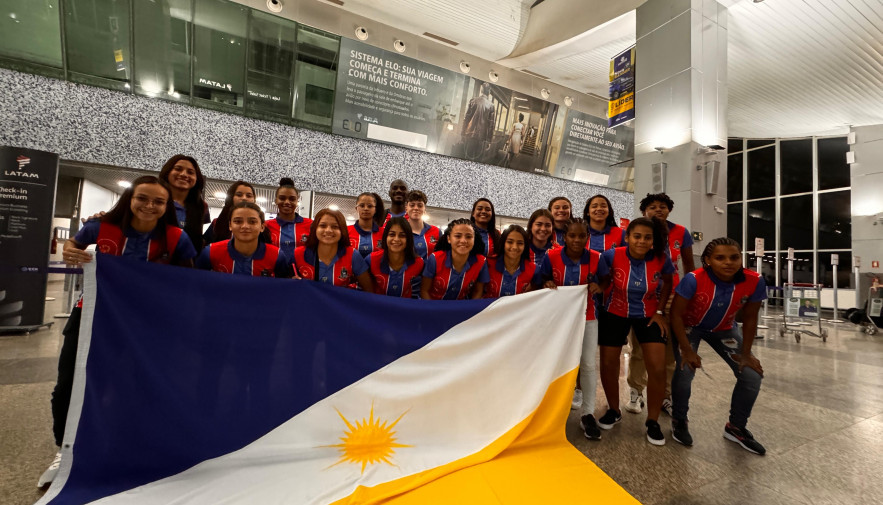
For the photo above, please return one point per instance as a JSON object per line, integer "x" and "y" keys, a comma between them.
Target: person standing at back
{"x": 398, "y": 193}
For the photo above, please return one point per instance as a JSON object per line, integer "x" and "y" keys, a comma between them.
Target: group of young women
{"x": 629, "y": 273}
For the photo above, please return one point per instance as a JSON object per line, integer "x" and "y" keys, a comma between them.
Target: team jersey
{"x": 425, "y": 241}
{"x": 563, "y": 271}
{"x": 390, "y": 215}
{"x": 634, "y": 283}
{"x": 343, "y": 270}
{"x": 713, "y": 303}
{"x": 394, "y": 282}
{"x": 266, "y": 261}
{"x": 181, "y": 214}
{"x": 449, "y": 284}
{"x": 366, "y": 242}
{"x": 164, "y": 244}
{"x": 488, "y": 242}
{"x": 678, "y": 238}
{"x": 536, "y": 254}
{"x": 287, "y": 235}
{"x": 558, "y": 236}
{"x": 502, "y": 283}
{"x": 608, "y": 238}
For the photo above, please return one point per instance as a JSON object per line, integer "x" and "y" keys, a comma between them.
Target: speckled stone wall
{"x": 94, "y": 125}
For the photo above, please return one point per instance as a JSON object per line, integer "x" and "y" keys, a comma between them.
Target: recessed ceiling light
{"x": 568, "y": 101}
{"x": 333, "y": 206}
{"x": 220, "y": 195}
{"x": 261, "y": 199}
{"x": 350, "y": 218}
{"x": 464, "y": 67}
{"x": 362, "y": 33}
{"x": 545, "y": 93}
{"x": 124, "y": 184}
{"x": 399, "y": 45}
{"x": 493, "y": 76}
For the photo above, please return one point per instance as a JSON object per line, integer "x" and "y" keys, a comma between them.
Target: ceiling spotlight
{"x": 274, "y": 5}
{"x": 464, "y": 67}
{"x": 220, "y": 195}
{"x": 545, "y": 93}
{"x": 568, "y": 101}
{"x": 333, "y": 206}
{"x": 351, "y": 218}
{"x": 362, "y": 33}
{"x": 493, "y": 76}
{"x": 261, "y": 199}
{"x": 124, "y": 184}
{"x": 399, "y": 45}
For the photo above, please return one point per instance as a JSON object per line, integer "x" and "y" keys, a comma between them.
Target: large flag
{"x": 200, "y": 388}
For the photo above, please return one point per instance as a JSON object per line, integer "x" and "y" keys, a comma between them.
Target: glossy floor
{"x": 819, "y": 414}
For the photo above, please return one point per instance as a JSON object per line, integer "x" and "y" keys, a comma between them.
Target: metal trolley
{"x": 874, "y": 309}
{"x": 802, "y": 304}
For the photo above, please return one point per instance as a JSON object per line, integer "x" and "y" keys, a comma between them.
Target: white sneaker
{"x": 577, "y": 401}
{"x": 636, "y": 402}
{"x": 50, "y": 473}
{"x": 666, "y": 406}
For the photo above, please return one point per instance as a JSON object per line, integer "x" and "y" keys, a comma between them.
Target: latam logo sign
{"x": 215, "y": 84}
{"x": 22, "y": 161}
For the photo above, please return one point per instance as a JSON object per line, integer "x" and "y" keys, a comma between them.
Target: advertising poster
{"x": 27, "y": 200}
{"x": 621, "y": 107}
{"x": 592, "y": 152}
{"x": 386, "y": 97}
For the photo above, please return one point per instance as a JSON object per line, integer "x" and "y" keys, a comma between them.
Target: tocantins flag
{"x": 199, "y": 388}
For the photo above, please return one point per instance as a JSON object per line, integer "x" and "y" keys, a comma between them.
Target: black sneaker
{"x": 590, "y": 427}
{"x": 680, "y": 433}
{"x": 609, "y": 419}
{"x": 744, "y": 438}
{"x": 654, "y": 433}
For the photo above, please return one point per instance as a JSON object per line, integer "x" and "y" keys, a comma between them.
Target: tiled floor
{"x": 820, "y": 415}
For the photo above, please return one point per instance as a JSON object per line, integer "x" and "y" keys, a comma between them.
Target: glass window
{"x": 796, "y": 222}
{"x": 752, "y": 143}
{"x": 833, "y": 169}
{"x": 761, "y": 223}
{"x": 803, "y": 267}
{"x": 316, "y": 70}
{"x": 734, "y": 222}
{"x": 767, "y": 266}
{"x": 734, "y": 145}
{"x": 219, "y": 52}
{"x": 270, "y": 64}
{"x": 30, "y": 31}
{"x": 162, "y": 48}
{"x": 835, "y": 220}
{"x": 796, "y": 166}
{"x": 762, "y": 173}
{"x": 96, "y": 34}
{"x": 845, "y": 278}
{"x": 734, "y": 177}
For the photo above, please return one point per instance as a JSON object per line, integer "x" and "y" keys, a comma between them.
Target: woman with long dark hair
{"x": 512, "y": 272}
{"x": 562, "y": 212}
{"x": 245, "y": 253}
{"x": 367, "y": 232}
{"x": 239, "y": 191}
{"x": 396, "y": 268}
{"x": 484, "y": 219}
{"x": 540, "y": 237}
{"x": 187, "y": 185}
{"x": 458, "y": 268}
{"x": 328, "y": 257}
{"x": 603, "y": 231}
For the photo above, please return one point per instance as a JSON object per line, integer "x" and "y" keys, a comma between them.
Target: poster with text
{"x": 594, "y": 153}
{"x": 27, "y": 202}
{"x": 621, "y": 105}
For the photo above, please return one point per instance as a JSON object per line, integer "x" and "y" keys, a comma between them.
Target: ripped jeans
{"x": 725, "y": 343}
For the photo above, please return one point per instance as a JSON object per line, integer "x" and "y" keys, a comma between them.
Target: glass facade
{"x": 30, "y": 35}
{"x": 798, "y": 196}
{"x": 163, "y": 48}
{"x": 97, "y": 42}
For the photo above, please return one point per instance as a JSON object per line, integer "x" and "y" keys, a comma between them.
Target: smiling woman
{"x": 245, "y": 253}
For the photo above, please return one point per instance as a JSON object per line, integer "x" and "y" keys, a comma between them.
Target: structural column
{"x": 681, "y": 111}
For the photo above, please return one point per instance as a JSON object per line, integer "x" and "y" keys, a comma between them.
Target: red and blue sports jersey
{"x": 164, "y": 244}
{"x": 425, "y": 241}
{"x": 502, "y": 283}
{"x": 678, "y": 238}
{"x": 342, "y": 271}
{"x": 634, "y": 284}
{"x": 366, "y": 242}
{"x": 564, "y": 271}
{"x": 394, "y": 282}
{"x": 608, "y": 238}
{"x": 266, "y": 261}
{"x": 537, "y": 255}
{"x": 713, "y": 303}
{"x": 558, "y": 236}
{"x": 449, "y": 284}
{"x": 287, "y": 235}
{"x": 181, "y": 214}
{"x": 390, "y": 215}
{"x": 485, "y": 236}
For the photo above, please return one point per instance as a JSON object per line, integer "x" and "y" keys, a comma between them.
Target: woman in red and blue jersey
{"x": 574, "y": 265}
{"x": 639, "y": 272}
{"x": 239, "y": 191}
{"x": 562, "y": 212}
{"x": 142, "y": 226}
{"x": 187, "y": 185}
{"x": 704, "y": 308}
{"x": 395, "y": 268}
{"x": 288, "y": 230}
{"x": 484, "y": 219}
{"x": 680, "y": 242}
{"x": 604, "y": 233}
{"x": 365, "y": 234}
{"x": 426, "y": 236}
{"x": 245, "y": 253}
{"x": 328, "y": 257}
{"x": 512, "y": 272}
{"x": 539, "y": 232}
{"x": 457, "y": 269}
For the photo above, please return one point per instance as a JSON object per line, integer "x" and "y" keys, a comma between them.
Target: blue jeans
{"x": 726, "y": 343}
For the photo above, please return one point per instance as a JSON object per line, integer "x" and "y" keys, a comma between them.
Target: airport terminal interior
{"x": 761, "y": 119}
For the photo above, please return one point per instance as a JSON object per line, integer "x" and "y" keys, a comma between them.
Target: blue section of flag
{"x": 213, "y": 362}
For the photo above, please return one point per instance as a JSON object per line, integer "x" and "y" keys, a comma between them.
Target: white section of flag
{"x": 459, "y": 393}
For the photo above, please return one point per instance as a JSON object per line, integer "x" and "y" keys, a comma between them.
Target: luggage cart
{"x": 874, "y": 310}
{"x": 802, "y": 304}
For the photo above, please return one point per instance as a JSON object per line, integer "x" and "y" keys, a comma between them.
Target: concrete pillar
{"x": 681, "y": 109}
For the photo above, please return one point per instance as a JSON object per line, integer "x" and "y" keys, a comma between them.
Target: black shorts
{"x": 613, "y": 331}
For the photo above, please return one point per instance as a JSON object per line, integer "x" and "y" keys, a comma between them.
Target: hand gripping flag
{"x": 197, "y": 388}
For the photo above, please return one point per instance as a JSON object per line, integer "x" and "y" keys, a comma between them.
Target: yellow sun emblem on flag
{"x": 368, "y": 441}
